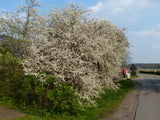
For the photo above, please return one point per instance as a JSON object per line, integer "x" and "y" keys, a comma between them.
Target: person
{"x": 133, "y": 69}
{"x": 124, "y": 72}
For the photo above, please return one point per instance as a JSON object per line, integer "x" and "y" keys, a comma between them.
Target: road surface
{"x": 149, "y": 101}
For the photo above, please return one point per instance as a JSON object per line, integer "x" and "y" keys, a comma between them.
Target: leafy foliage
{"x": 10, "y": 74}
{"x": 83, "y": 52}
{"x": 31, "y": 96}
{"x": 48, "y": 98}
{"x": 109, "y": 100}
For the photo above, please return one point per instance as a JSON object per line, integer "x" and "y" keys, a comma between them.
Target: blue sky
{"x": 142, "y": 17}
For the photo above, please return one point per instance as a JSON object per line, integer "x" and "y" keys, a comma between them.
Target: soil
{"x": 126, "y": 111}
{"x": 7, "y": 114}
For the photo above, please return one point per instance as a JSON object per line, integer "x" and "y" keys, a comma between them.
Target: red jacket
{"x": 124, "y": 70}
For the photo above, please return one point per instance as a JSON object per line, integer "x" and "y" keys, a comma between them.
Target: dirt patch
{"x": 7, "y": 114}
{"x": 127, "y": 109}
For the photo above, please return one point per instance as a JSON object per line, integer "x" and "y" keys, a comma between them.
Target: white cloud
{"x": 145, "y": 45}
{"x": 159, "y": 26}
{"x": 111, "y": 5}
{"x": 97, "y": 8}
{"x": 122, "y": 11}
{"x": 144, "y": 36}
{"x": 126, "y": 3}
{"x": 118, "y": 10}
{"x": 156, "y": 47}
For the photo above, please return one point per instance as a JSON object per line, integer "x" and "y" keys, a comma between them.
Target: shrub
{"x": 48, "y": 97}
{"x": 81, "y": 51}
{"x": 11, "y": 74}
{"x": 31, "y": 95}
{"x": 85, "y": 53}
{"x": 150, "y": 72}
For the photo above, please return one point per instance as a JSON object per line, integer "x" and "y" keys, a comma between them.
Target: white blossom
{"x": 84, "y": 52}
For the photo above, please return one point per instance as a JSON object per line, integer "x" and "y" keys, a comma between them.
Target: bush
{"x": 109, "y": 100}
{"x": 33, "y": 96}
{"x": 150, "y": 72}
{"x": 10, "y": 75}
{"x": 84, "y": 52}
{"x": 48, "y": 97}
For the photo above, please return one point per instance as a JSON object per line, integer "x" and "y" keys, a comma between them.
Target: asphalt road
{"x": 149, "y": 101}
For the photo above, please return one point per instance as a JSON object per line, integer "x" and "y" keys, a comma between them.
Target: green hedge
{"x": 50, "y": 99}
{"x": 150, "y": 72}
{"x": 54, "y": 100}
{"x": 31, "y": 96}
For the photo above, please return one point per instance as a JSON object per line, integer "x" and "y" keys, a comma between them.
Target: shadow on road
{"x": 149, "y": 101}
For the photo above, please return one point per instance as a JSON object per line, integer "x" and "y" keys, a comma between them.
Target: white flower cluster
{"x": 84, "y": 52}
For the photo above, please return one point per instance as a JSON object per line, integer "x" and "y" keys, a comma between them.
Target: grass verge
{"x": 106, "y": 104}
{"x": 136, "y": 76}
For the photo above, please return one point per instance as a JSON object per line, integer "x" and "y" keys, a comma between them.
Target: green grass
{"x": 28, "y": 117}
{"x": 107, "y": 103}
{"x": 136, "y": 76}
{"x": 7, "y": 102}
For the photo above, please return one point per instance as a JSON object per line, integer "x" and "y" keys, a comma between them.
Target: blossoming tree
{"x": 82, "y": 51}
